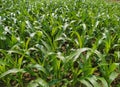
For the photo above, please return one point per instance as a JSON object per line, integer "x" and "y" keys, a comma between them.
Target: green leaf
{"x": 20, "y": 60}
{"x": 38, "y": 82}
{"x": 11, "y": 71}
{"x": 112, "y": 76}
{"x": 33, "y": 84}
{"x": 37, "y": 66}
{"x": 60, "y": 56}
{"x": 27, "y": 43}
{"x": 79, "y": 38}
{"x": 104, "y": 82}
{"x": 76, "y": 54}
{"x": 54, "y": 81}
{"x": 113, "y": 66}
{"x": 85, "y": 82}
{"x": 39, "y": 33}
{"x": 93, "y": 81}
{"x": 47, "y": 46}
{"x": 2, "y": 62}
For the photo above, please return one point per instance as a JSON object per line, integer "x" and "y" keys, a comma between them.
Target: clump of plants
{"x": 54, "y": 43}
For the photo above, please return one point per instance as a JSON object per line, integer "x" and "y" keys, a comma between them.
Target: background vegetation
{"x": 59, "y": 43}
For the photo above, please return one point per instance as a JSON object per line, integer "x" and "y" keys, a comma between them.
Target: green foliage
{"x": 59, "y": 43}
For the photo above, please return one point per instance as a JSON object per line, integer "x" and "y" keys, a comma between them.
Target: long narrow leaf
{"x": 11, "y": 71}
